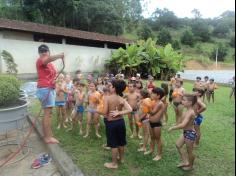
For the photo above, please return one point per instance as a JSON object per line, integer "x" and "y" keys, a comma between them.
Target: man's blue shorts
{"x": 46, "y": 96}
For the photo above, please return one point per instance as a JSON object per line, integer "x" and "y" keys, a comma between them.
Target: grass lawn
{"x": 214, "y": 157}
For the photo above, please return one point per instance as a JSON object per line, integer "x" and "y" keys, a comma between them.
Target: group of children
{"x": 146, "y": 107}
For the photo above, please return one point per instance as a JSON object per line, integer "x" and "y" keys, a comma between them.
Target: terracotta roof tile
{"x": 60, "y": 31}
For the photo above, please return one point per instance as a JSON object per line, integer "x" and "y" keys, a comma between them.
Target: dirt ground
{"x": 195, "y": 65}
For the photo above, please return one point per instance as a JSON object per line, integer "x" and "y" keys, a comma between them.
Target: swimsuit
{"x": 198, "y": 120}
{"x": 211, "y": 92}
{"x": 190, "y": 135}
{"x": 80, "y": 109}
{"x": 155, "y": 124}
{"x": 92, "y": 110}
{"x": 60, "y": 103}
{"x": 135, "y": 111}
{"x": 144, "y": 119}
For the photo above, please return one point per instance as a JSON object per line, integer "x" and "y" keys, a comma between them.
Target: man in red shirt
{"x": 45, "y": 88}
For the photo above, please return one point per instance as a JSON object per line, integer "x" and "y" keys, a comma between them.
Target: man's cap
{"x": 43, "y": 49}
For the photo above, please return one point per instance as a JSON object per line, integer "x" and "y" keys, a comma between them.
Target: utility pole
{"x": 216, "y": 58}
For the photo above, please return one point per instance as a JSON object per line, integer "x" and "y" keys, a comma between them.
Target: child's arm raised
{"x": 202, "y": 107}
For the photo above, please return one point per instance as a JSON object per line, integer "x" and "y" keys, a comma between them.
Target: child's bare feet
{"x": 70, "y": 129}
{"x": 106, "y": 147}
{"x": 132, "y": 136}
{"x": 59, "y": 127}
{"x": 51, "y": 140}
{"x": 81, "y": 132}
{"x": 142, "y": 149}
{"x": 148, "y": 152}
{"x": 111, "y": 165}
{"x": 85, "y": 136}
{"x": 98, "y": 135}
{"x": 140, "y": 137}
{"x": 183, "y": 164}
{"x": 157, "y": 158}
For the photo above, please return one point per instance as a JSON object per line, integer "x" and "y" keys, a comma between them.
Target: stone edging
{"x": 63, "y": 162}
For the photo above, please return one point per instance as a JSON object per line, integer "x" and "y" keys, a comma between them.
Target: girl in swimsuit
{"x": 177, "y": 96}
{"x": 93, "y": 102}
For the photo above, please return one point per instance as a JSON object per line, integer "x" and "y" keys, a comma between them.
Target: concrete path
{"x": 23, "y": 167}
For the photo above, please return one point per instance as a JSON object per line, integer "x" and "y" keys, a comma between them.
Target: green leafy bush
{"x": 176, "y": 44}
{"x": 164, "y": 37}
{"x": 222, "y": 52}
{"x": 144, "y": 32}
{"x": 9, "y": 89}
{"x": 10, "y": 63}
{"x": 188, "y": 38}
{"x": 232, "y": 41}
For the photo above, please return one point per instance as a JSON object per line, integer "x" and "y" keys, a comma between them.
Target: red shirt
{"x": 46, "y": 74}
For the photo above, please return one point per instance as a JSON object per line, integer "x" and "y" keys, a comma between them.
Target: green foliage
{"x": 144, "y": 32}
{"x": 222, "y": 52}
{"x": 146, "y": 58}
{"x": 164, "y": 37}
{"x": 201, "y": 30}
{"x": 221, "y": 30}
{"x": 9, "y": 89}
{"x": 164, "y": 18}
{"x": 232, "y": 41}
{"x": 9, "y": 60}
{"x": 187, "y": 38}
{"x": 176, "y": 44}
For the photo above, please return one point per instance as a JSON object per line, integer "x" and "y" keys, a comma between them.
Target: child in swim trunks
{"x": 164, "y": 86}
{"x": 155, "y": 119}
{"x": 189, "y": 134}
{"x": 133, "y": 99}
{"x": 78, "y": 112}
{"x": 211, "y": 90}
{"x": 197, "y": 84}
{"x": 198, "y": 108}
{"x": 205, "y": 85}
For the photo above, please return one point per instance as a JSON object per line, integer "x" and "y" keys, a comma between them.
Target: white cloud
{"x": 183, "y": 8}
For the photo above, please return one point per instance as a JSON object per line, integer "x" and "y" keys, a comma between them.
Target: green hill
{"x": 200, "y": 52}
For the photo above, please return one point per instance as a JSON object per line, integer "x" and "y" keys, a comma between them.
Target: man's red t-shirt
{"x": 46, "y": 74}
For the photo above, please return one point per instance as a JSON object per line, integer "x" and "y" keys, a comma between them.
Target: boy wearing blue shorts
{"x": 78, "y": 112}
{"x": 198, "y": 108}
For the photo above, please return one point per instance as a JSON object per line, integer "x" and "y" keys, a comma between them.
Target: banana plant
{"x": 147, "y": 57}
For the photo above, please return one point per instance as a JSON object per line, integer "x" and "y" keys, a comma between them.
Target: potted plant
{"x": 13, "y": 110}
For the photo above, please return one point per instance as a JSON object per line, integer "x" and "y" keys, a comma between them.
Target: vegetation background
{"x": 196, "y": 38}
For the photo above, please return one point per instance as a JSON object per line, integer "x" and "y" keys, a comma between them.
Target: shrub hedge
{"x": 9, "y": 89}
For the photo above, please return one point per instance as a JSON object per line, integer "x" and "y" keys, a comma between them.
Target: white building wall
{"x": 17, "y": 35}
{"x": 87, "y": 59}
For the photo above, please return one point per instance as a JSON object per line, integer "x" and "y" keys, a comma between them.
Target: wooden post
{"x": 216, "y": 58}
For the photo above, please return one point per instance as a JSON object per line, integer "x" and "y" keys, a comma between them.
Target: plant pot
{"x": 13, "y": 118}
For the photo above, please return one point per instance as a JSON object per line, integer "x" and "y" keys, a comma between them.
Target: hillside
{"x": 197, "y": 57}
{"x": 197, "y": 65}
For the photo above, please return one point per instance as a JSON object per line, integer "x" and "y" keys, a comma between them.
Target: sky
{"x": 183, "y": 8}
